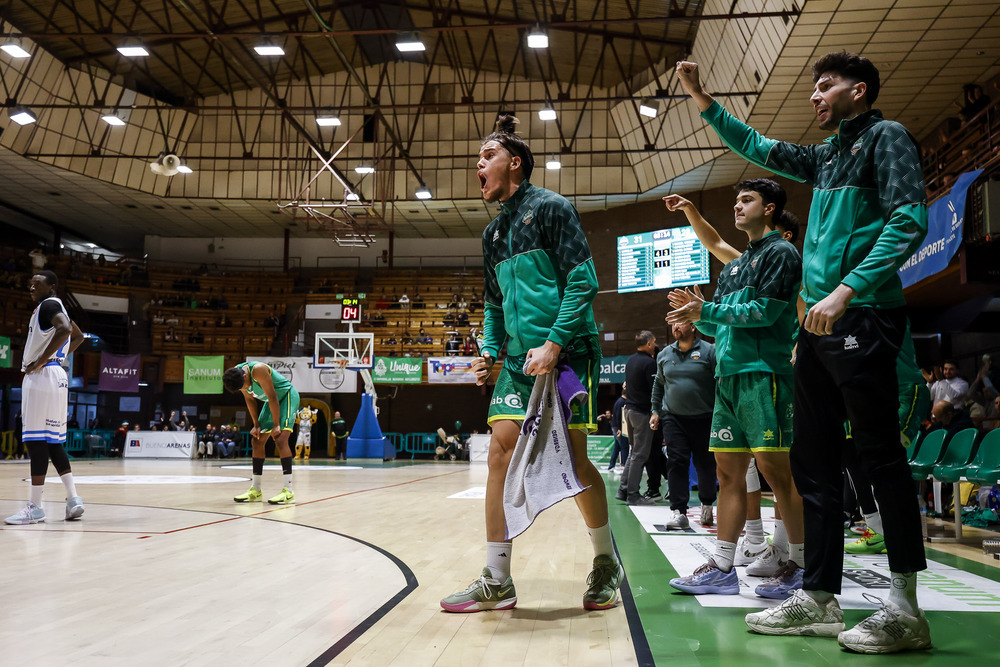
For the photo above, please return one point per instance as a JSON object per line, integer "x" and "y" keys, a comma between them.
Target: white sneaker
{"x": 799, "y": 615}
{"x": 768, "y": 562}
{"x": 677, "y": 521}
{"x": 888, "y": 630}
{"x": 31, "y": 513}
{"x": 747, "y": 551}
{"x": 74, "y": 508}
{"x": 706, "y": 515}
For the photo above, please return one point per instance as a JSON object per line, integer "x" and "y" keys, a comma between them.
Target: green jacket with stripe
{"x": 869, "y": 207}
{"x": 539, "y": 275}
{"x": 752, "y": 315}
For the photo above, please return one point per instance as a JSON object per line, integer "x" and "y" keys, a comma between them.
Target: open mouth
{"x": 821, "y": 113}
{"x": 482, "y": 181}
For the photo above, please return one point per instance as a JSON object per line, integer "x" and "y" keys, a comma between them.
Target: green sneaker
{"x": 870, "y": 542}
{"x": 252, "y": 496}
{"x": 286, "y": 496}
{"x": 482, "y": 594}
{"x": 603, "y": 583}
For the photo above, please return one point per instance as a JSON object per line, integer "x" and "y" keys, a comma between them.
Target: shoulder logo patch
{"x": 496, "y": 235}
{"x": 857, "y": 146}
{"x": 733, "y": 270}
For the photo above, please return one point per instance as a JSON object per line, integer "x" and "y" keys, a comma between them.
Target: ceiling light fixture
{"x": 133, "y": 51}
{"x": 649, "y": 107}
{"x": 423, "y": 193}
{"x": 112, "y": 119}
{"x": 353, "y": 197}
{"x": 327, "y": 120}
{"x": 553, "y": 164}
{"x": 14, "y": 50}
{"x": 548, "y": 113}
{"x": 364, "y": 169}
{"x": 269, "y": 49}
{"x": 538, "y": 38}
{"x": 184, "y": 169}
{"x": 22, "y": 115}
{"x": 409, "y": 42}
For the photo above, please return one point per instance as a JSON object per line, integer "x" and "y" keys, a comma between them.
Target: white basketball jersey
{"x": 38, "y": 340}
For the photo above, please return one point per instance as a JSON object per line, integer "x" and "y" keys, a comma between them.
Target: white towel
{"x": 542, "y": 471}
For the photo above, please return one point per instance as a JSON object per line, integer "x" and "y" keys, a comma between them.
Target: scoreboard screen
{"x": 660, "y": 260}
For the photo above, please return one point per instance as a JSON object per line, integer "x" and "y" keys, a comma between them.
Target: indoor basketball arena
{"x": 670, "y": 326}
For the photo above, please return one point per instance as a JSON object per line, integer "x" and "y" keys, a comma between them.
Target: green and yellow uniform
{"x": 288, "y": 398}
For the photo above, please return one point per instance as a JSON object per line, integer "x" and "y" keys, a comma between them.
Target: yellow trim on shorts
{"x": 747, "y": 450}
{"x": 589, "y": 428}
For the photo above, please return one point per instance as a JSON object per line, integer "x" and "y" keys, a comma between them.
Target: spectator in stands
{"x": 169, "y": 336}
{"x": 196, "y": 337}
{"x": 135, "y": 427}
{"x": 975, "y": 101}
{"x": 418, "y": 301}
{"x": 604, "y": 423}
{"x": 404, "y": 301}
{"x": 453, "y": 345}
{"x": 272, "y": 320}
{"x": 463, "y": 319}
{"x": 158, "y": 318}
{"x": 391, "y": 340}
{"x": 945, "y": 416}
{"x": 469, "y": 346}
{"x": 226, "y": 443}
{"x": 224, "y": 321}
{"x": 424, "y": 338}
{"x": 118, "y": 441}
{"x": 72, "y": 422}
{"x": 947, "y": 385}
{"x": 979, "y": 400}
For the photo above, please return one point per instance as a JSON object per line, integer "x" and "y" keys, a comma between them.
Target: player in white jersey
{"x": 307, "y": 417}
{"x": 45, "y": 397}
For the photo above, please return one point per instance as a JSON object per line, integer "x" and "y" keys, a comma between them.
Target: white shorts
{"x": 305, "y": 438}
{"x": 44, "y": 403}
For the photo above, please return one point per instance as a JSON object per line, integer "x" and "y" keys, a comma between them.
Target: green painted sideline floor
{"x": 682, "y": 632}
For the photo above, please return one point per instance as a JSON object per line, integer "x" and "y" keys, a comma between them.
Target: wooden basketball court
{"x": 165, "y": 569}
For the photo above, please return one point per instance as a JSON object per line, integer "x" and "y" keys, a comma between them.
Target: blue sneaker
{"x": 780, "y": 586}
{"x": 31, "y": 513}
{"x": 709, "y": 579}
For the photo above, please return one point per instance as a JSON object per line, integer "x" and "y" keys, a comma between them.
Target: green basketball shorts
{"x": 753, "y": 413}
{"x": 288, "y": 406}
{"x": 513, "y": 389}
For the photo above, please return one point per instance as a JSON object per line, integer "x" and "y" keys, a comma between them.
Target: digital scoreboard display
{"x": 660, "y": 260}
{"x": 350, "y": 310}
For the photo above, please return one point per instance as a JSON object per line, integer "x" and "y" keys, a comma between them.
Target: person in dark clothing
{"x": 945, "y": 416}
{"x": 640, "y": 369}
{"x": 339, "y": 429}
{"x": 621, "y": 440}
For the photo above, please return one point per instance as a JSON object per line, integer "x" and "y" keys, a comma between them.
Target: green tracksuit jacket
{"x": 752, "y": 314}
{"x": 539, "y": 276}
{"x": 869, "y": 207}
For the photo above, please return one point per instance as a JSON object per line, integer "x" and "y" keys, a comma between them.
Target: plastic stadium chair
{"x": 911, "y": 451}
{"x": 957, "y": 456}
{"x": 931, "y": 451}
{"x": 985, "y": 468}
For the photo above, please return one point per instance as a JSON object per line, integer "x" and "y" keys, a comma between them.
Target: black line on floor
{"x": 643, "y": 654}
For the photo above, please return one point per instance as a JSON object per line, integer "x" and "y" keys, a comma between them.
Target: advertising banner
{"x": 613, "y": 369}
{"x": 119, "y": 372}
{"x": 309, "y": 380}
{"x": 6, "y": 355}
{"x": 203, "y": 375}
{"x": 160, "y": 444}
{"x": 398, "y": 370}
{"x": 945, "y": 218}
{"x": 450, "y": 370}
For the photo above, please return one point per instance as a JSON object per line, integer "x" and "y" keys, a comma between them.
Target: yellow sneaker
{"x": 252, "y": 496}
{"x": 284, "y": 498}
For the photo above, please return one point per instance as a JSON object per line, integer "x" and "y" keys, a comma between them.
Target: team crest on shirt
{"x": 857, "y": 146}
{"x": 496, "y": 235}
{"x": 753, "y": 264}
{"x": 528, "y": 216}
{"x": 696, "y": 355}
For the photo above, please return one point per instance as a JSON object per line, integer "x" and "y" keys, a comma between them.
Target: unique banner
{"x": 6, "y": 354}
{"x": 613, "y": 369}
{"x": 309, "y": 380}
{"x": 944, "y": 233}
{"x": 398, "y": 370}
{"x": 203, "y": 375}
{"x": 450, "y": 370}
{"x": 160, "y": 444}
{"x": 119, "y": 372}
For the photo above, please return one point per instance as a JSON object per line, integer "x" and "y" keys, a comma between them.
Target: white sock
{"x": 288, "y": 481}
{"x": 874, "y": 522}
{"x": 67, "y": 481}
{"x": 601, "y": 539}
{"x": 35, "y": 495}
{"x": 755, "y": 530}
{"x": 256, "y": 481}
{"x": 904, "y": 592}
{"x": 725, "y": 553}
{"x": 797, "y": 553}
{"x": 780, "y": 538}
{"x": 498, "y": 559}
{"x": 821, "y": 597}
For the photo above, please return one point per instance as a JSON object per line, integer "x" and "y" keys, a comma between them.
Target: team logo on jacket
{"x": 696, "y": 355}
{"x": 527, "y": 217}
{"x": 753, "y": 264}
{"x": 733, "y": 270}
{"x": 857, "y": 146}
{"x": 496, "y": 235}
